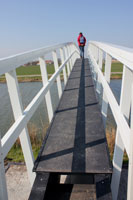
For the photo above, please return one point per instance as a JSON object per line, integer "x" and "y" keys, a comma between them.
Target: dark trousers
{"x": 81, "y": 51}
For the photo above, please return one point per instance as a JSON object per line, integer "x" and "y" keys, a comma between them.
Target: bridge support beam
{"x": 73, "y": 57}
{"x": 64, "y": 70}
{"x": 107, "y": 72}
{"x": 125, "y": 102}
{"x": 66, "y": 56}
{"x": 130, "y": 165}
{"x": 100, "y": 63}
{"x": 59, "y": 87}
{"x": 43, "y": 68}
{"x": 3, "y": 186}
{"x": 69, "y": 51}
{"x": 17, "y": 107}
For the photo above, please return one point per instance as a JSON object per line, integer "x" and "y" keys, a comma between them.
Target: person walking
{"x": 81, "y": 42}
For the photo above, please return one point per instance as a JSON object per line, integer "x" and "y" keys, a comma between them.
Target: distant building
{"x": 37, "y": 63}
{"x": 49, "y": 62}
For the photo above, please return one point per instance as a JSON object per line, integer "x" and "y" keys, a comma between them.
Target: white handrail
{"x": 13, "y": 133}
{"x": 121, "y": 112}
{"x": 123, "y": 54}
{"x": 18, "y": 129}
{"x": 12, "y": 62}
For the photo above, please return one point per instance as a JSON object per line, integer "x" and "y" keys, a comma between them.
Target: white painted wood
{"x": 73, "y": 60}
{"x": 66, "y": 55}
{"x": 117, "y": 165}
{"x": 123, "y": 54}
{"x": 100, "y": 62}
{"x": 104, "y": 108}
{"x": 73, "y": 57}
{"x": 118, "y": 116}
{"x": 130, "y": 164}
{"x": 59, "y": 87}
{"x": 124, "y": 137}
{"x": 69, "y": 50}
{"x": 92, "y": 67}
{"x": 17, "y": 107}
{"x": 97, "y": 53}
{"x": 13, "y": 133}
{"x": 12, "y": 62}
{"x": 3, "y": 186}
{"x": 64, "y": 70}
{"x": 43, "y": 68}
{"x": 69, "y": 55}
{"x": 19, "y": 128}
{"x": 125, "y": 103}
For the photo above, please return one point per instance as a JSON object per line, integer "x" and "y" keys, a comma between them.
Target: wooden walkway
{"x": 76, "y": 141}
{"x": 75, "y": 145}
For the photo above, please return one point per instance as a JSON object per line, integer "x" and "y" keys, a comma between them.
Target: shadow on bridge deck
{"x": 75, "y": 143}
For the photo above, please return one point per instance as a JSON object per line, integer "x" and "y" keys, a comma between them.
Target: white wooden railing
{"x": 68, "y": 53}
{"x": 123, "y": 113}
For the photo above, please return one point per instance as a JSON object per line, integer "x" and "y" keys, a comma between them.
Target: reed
{"x": 36, "y": 138}
{"x": 111, "y": 135}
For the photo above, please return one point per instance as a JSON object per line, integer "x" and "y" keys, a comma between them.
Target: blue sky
{"x": 31, "y": 24}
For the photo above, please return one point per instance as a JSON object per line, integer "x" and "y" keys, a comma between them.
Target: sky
{"x": 30, "y": 24}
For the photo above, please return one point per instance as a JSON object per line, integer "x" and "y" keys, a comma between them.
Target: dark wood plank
{"x": 39, "y": 186}
{"x": 70, "y": 192}
{"x": 103, "y": 190}
{"x": 76, "y": 140}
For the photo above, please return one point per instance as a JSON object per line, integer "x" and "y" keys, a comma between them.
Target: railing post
{"x": 58, "y": 78}
{"x": 104, "y": 109}
{"x": 93, "y": 69}
{"x": 64, "y": 70}
{"x": 3, "y": 186}
{"x": 73, "y": 57}
{"x": 125, "y": 101}
{"x": 100, "y": 62}
{"x": 69, "y": 50}
{"x": 17, "y": 107}
{"x": 66, "y": 55}
{"x": 97, "y": 54}
{"x": 43, "y": 68}
{"x": 130, "y": 164}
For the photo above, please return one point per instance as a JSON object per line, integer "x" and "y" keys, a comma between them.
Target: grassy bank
{"x": 33, "y": 71}
{"x": 16, "y": 154}
{"x": 30, "y": 73}
{"x": 116, "y": 69}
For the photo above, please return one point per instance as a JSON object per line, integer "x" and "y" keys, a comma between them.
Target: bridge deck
{"x": 76, "y": 141}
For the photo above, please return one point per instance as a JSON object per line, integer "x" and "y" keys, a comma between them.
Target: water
{"x": 27, "y": 90}
{"x": 40, "y": 118}
{"x": 116, "y": 89}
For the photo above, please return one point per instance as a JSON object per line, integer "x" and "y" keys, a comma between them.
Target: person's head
{"x": 80, "y": 33}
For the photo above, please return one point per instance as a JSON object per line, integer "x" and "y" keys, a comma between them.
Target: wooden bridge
{"x": 74, "y": 161}
{"x": 75, "y": 143}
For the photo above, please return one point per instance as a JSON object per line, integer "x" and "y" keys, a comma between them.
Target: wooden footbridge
{"x": 74, "y": 161}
